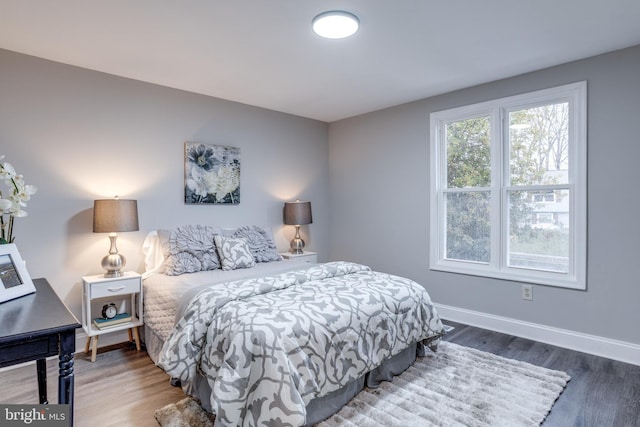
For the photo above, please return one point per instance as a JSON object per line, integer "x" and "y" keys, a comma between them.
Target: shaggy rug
{"x": 457, "y": 386}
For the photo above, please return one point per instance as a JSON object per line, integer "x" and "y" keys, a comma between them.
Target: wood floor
{"x": 124, "y": 388}
{"x": 121, "y": 388}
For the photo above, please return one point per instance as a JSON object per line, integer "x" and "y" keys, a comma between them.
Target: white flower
{"x": 8, "y": 173}
{"x": 25, "y": 193}
{"x": 198, "y": 182}
{"x": 15, "y": 201}
{"x": 5, "y": 205}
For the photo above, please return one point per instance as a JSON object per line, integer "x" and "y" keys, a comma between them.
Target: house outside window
{"x": 547, "y": 196}
{"x": 508, "y": 188}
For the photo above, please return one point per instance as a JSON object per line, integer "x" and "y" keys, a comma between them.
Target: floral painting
{"x": 211, "y": 174}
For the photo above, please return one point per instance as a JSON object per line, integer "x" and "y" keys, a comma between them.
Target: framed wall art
{"x": 14, "y": 277}
{"x": 211, "y": 174}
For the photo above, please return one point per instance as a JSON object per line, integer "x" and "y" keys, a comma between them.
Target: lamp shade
{"x": 115, "y": 215}
{"x": 297, "y": 213}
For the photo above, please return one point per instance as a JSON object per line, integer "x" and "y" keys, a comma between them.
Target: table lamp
{"x": 113, "y": 216}
{"x": 297, "y": 213}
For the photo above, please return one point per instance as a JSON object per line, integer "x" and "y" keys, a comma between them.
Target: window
{"x": 508, "y": 188}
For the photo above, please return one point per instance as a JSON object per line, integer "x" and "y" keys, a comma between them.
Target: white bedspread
{"x": 162, "y": 294}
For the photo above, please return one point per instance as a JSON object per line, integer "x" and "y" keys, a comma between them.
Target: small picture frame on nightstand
{"x": 14, "y": 277}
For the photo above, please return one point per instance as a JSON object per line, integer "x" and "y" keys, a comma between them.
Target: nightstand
{"x": 125, "y": 292}
{"x": 310, "y": 257}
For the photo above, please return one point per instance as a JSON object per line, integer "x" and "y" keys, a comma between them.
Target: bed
{"x": 262, "y": 341}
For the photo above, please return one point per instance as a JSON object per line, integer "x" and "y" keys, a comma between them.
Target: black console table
{"x": 37, "y": 326}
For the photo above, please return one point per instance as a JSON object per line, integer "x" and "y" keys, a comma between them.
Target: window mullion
{"x": 504, "y": 190}
{"x": 496, "y": 192}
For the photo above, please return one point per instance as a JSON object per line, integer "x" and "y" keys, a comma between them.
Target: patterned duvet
{"x": 268, "y": 346}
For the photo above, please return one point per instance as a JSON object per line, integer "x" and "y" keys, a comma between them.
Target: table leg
{"x": 94, "y": 350}
{"x": 65, "y": 375}
{"x": 41, "y": 368}
{"x": 136, "y": 336}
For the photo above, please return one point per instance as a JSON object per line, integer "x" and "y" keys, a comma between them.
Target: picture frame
{"x": 211, "y": 174}
{"x": 14, "y": 277}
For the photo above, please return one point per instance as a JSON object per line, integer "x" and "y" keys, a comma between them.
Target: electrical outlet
{"x": 527, "y": 292}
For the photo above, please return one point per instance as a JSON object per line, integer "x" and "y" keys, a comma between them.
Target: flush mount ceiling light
{"x": 335, "y": 24}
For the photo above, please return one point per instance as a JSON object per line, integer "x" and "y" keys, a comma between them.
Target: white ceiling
{"x": 263, "y": 52}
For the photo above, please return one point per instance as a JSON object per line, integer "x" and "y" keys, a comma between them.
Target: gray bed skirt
{"x": 323, "y": 407}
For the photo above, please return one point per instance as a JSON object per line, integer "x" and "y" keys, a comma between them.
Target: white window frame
{"x": 576, "y": 95}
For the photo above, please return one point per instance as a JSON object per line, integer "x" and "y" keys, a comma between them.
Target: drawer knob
{"x": 116, "y": 289}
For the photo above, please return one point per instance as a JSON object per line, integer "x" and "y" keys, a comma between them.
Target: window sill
{"x": 540, "y": 278}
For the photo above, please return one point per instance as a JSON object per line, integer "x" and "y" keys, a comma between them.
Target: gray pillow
{"x": 234, "y": 253}
{"x": 189, "y": 249}
{"x": 260, "y": 243}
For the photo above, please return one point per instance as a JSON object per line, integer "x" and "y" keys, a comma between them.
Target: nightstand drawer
{"x": 115, "y": 287}
{"x": 309, "y": 257}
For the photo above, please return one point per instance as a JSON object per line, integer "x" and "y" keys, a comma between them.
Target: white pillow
{"x": 153, "y": 255}
{"x": 234, "y": 253}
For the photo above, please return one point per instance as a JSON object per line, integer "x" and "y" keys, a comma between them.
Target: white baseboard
{"x": 599, "y": 346}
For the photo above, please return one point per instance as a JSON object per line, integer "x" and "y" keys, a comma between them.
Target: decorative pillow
{"x": 153, "y": 255}
{"x": 260, "y": 243}
{"x": 189, "y": 249}
{"x": 234, "y": 252}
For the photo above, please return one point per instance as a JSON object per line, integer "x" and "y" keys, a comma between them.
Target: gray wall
{"x": 80, "y": 135}
{"x": 379, "y": 169}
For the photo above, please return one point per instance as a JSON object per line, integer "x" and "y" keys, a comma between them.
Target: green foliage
{"x": 468, "y": 226}
{"x": 523, "y": 166}
{"x": 468, "y": 165}
{"x": 469, "y": 153}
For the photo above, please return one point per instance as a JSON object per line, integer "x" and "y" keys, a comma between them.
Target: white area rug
{"x": 458, "y": 386}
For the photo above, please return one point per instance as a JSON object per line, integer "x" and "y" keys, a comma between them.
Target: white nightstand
{"x": 125, "y": 292}
{"x": 310, "y": 257}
